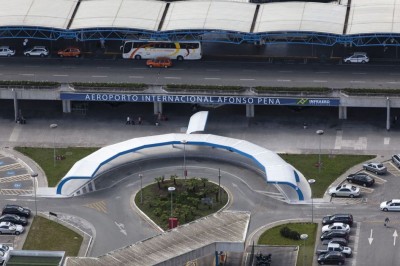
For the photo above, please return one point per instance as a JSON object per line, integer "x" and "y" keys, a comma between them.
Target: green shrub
{"x": 288, "y": 233}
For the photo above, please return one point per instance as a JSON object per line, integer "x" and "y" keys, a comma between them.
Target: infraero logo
{"x": 302, "y": 101}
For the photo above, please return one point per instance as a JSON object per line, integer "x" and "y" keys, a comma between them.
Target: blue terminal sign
{"x": 118, "y": 97}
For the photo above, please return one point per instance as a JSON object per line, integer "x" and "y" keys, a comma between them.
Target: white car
{"x": 37, "y": 51}
{"x": 390, "y": 205}
{"x": 344, "y": 191}
{"x": 377, "y": 168}
{"x": 6, "y": 51}
{"x": 10, "y": 228}
{"x": 336, "y": 226}
{"x": 4, "y": 252}
{"x": 357, "y": 57}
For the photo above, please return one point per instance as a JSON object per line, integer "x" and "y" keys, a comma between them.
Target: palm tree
{"x": 158, "y": 180}
{"x": 173, "y": 179}
{"x": 204, "y": 180}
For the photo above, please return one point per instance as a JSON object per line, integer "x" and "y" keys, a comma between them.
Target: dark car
{"x": 338, "y": 218}
{"x": 332, "y": 258}
{"x": 16, "y": 209}
{"x": 361, "y": 179}
{"x": 15, "y": 219}
{"x": 334, "y": 234}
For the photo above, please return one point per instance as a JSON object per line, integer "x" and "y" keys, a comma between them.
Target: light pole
{"x": 219, "y": 184}
{"x": 171, "y": 189}
{"x": 184, "y": 158}
{"x": 141, "y": 188}
{"x": 54, "y": 126}
{"x": 312, "y": 181}
{"x": 34, "y": 175}
{"x": 304, "y": 237}
{"x": 319, "y": 132}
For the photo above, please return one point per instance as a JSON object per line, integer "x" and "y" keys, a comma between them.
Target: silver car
{"x": 6, "y": 51}
{"x": 344, "y": 191}
{"x": 37, "y": 51}
{"x": 10, "y": 228}
{"x": 358, "y": 57}
{"x": 377, "y": 168}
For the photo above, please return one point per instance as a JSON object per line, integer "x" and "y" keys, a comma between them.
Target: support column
{"x": 387, "y": 113}
{"x": 343, "y": 112}
{"x": 66, "y": 105}
{"x": 157, "y": 107}
{"x": 16, "y": 114}
{"x": 249, "y": 110}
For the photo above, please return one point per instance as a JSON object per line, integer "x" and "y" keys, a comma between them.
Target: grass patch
{"x": 332, "y": 167}
{"x": 44, "y": 157}
{"x": 45, "y": 234}
{"x": 187, "y": 200}
{"x": 273, "y": 237}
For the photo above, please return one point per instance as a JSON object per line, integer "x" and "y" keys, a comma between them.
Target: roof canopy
{"x": 37, "y": 13}
{"x": 300, "y": 16}
{"x": 372, "y": 16}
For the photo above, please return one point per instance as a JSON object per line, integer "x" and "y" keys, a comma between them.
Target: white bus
{"x": 183, "y": 50}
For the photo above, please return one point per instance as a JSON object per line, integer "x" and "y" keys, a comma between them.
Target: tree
{"x": 173, "y": 179}
{"x": 204, "y": 180}
{"x": 158, "y": 180}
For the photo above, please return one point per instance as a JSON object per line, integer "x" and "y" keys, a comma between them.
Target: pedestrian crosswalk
{"x": 100, "y": 206}
{"x": 10, "y": 166}
{"x": 347, "y": 201}
{"x": 15, "y": 178}
{"x": 16, "y": 192}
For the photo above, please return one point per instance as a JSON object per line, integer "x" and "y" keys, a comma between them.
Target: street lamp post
{"x": 184, "y": 158}
{"x": 312, "y": 181}
{"x": 141, "y": 188}
{"x": 319, "y": 132}
{"x": 34, "y": 175}
{"x": 171, "y": 189}
{"x": 54, "y": 126}
{"x": 219, "y": 184}
{"x": 304, "y": 237}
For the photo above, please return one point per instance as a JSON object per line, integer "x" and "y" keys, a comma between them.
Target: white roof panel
{"x": 135, "y": 14}
{"x": 300, "y": 16}
{"x": 233, "y": 16}
{"x": 371, "y": 16}
{"x": 37, "y": 13}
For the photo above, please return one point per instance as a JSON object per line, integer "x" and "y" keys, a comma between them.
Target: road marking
{"x": 121, "y": 227}
{"x": 136, "y": 77}
{"x": 15, "y": 133}
{"x": 247, "y": 79}
{"x": 394, "y": 237}
{"x": 140, "y": 68}
{"x": 213, "y": 70}
{"x": 212, "y": 78}
{"x": 15, "y": 191}
{"x": 321, "y": 81}
{"x": 172, "y": 77}
{"x": 60, "y": 75}
{"x": 354, "y": 260}
{"x": 285, "y": 71}
{"x": 100, "y": 206}
{"x": 26, "y": 74}
{"x": 393, "y": 82}
{"x": 324, "y": 207}
{"x": 322, "y": 72}
{"x": 338, "y": 140}
{"x": 357, "y": 81}
{"x": 370, "y": 239}
{"x": 99, "y": 76}
{"x": 359, "y": 73}
{"x": 15, "y": 178}
{"x": 386, "y": 141}
{"x": 284, "y": 80}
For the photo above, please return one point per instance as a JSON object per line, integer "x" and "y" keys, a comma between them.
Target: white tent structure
{"x": 294, "y": 186}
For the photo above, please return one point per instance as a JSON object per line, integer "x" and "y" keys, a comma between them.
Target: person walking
{"x": 139, "y": 120}
{"x": 387, "y": 220}
{"x": 128, "y": 120}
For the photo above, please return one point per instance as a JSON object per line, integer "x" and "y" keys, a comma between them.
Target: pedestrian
{"x": 159, "y": 117}
{"x": 128, "y": 120}
{"x": 387, "y": 221}
{"x": 139, "y": 120}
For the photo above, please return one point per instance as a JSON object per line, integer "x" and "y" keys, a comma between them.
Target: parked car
{"x": 357, "y": 57}
{"x": 396, "y": 160}
{"x": 6, "y": 51}
{"x": 4, "y": 253}
{"x": 338, "y": 218}
{"x": 69, "y": 52}
{"x": 164, "y": 62}
{"x": 346, "y": 251}
{"x": 334, "y": 234}
{"x": 336, "y": 240}
{"x": 331, "y": 258}
{"x": 5, "y": 248}
{"x": 37, "y": 51}
{"x": 10, "y": 228}
{"x": 16, "y": 209}
{"x": 377, "y": 168}
{"x": 336, "y": 226}
{"x": 13, "y": 218}
{"x": 390, "y": 205}
{"x": 361, "y": 179}
{"x": 344, "y": 191}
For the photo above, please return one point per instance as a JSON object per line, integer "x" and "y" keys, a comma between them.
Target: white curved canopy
{"x": 277, "y": 171}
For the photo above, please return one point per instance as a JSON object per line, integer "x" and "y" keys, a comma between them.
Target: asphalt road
{"x": 205, "y": 72}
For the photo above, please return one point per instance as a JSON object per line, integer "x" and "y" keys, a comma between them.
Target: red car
{"x": 69, "y": 52}
{"x": 164, "y": 62}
